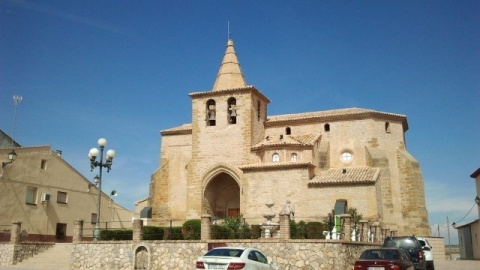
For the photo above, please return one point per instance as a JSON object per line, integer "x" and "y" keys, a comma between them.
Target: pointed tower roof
{"x": 230, "y": 74}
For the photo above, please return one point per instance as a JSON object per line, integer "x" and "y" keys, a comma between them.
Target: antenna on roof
{"x": 228, "y": 30}
{"x": 16, "y": 101}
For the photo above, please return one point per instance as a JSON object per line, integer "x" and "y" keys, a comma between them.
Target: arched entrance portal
{"x": 223, "y": 196}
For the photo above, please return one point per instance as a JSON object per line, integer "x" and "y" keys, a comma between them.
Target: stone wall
{"x": 13, "y": 253}
{"x": 6, "y": 254}
{"x": 180, "y": 255}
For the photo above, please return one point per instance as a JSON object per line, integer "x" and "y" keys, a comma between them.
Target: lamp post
{"x": 92, "y": 155}
{"x": 11, "y": 157}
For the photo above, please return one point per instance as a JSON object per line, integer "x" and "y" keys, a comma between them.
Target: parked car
{"x": 384, "y": 258}
{"x": 427, "y": 250}
{"x": 229, "y": 258}
{"x": 410, "y": 245}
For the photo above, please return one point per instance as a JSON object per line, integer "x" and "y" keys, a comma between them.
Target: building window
{"x": 94, "y": 218}
{"x": 288, "y": 131}
{"x": 387, "y": 127}
{"x": 340, "y": 207}
{"x": 275, "y": 157}
{"x": 293, "y": 157}
{"x": 61, "y": 197}
{"x": 326, "y": 127}
{"x": 259, "y": 109}
{"x": 61, "y": 231}
{"x": 346, "y": 156}
{"x": 211, "y": 113}
{"x": 43, "y": 164}
{"x": 31, "y": 195}
{"x": 232, "y": 111}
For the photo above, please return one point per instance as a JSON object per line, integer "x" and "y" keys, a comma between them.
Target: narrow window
{"x": 288, "y": 131}
{"x": 232, "y": 111}
{"x": 61, "y": 197}
{"x": 387, "y": 127}
{"x": 275, "y": 157}
{"x": 43, "y": 164}
{"x": 211, "y": 113}
{"x": 31, "y": 195}
{"x": 259, "y": 108}
{"x": 293, "y": 157}
{"x": 326, "y": 127}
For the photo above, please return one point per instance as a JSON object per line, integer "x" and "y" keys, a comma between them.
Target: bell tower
{"x": 226, "y": 122}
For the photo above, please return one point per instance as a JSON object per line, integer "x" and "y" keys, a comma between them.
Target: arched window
{"x": 387, "y": 127}
{"x": 211, "y": 113}
{"x": 326, "y": 127}
{"x": 275, "y": 157}
{"x": 293, "y": 157}
{"x": 288, "y": 131}
{"x": 232, "y": 111}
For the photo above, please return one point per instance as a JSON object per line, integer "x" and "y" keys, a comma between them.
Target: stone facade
{"x": 180, "y": 255}
{"x": 234, "y": 157}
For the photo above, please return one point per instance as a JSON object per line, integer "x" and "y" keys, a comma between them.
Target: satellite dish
{"x": 113, "y": 193}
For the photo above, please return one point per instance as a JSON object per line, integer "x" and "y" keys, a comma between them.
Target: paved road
{"x": 439, "y": 265}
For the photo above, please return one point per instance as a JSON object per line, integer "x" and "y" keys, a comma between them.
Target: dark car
{"x": 411, "y": 246}
{"x": 384, "y": 258}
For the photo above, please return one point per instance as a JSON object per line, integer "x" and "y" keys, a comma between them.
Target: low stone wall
{"x": 13, "y": 253}
{"x": 6, "y": 254}
{"x": 180, "y": 255}
{"x": 26, "y": 250}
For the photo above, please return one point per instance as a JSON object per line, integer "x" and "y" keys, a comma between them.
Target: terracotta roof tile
{"x": 275, "y": 166}
{"x": 299, "y": 140}
{"x": 346, "y": 176}
{"x": 183, "y": 129}
{"x": 339, "y": 114}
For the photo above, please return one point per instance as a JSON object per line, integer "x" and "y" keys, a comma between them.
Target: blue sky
{"x": 123, "y": 70}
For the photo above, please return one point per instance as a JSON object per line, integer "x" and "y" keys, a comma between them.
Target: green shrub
{"x": 300, "y": 230}
{"x": 109, "y": 235}
{"x": 255, "y": 232}
{"x": 222, "y": 232}
{"x": 173, "y": 233}
{"x": 153, "y": 233}
{"x": 293, "y": 229}
{"x": 191, "y": 229}
{"x": 315, "y": 230}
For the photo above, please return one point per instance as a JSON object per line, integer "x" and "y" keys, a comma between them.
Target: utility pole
{"x": 449, "y": 245}
{"x": 16, "y": 101}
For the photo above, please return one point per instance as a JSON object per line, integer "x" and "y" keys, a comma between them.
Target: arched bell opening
{"x": 223, "y": 196}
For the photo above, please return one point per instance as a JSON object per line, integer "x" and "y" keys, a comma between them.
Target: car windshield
{"x": 225, "y": 252}
{"x": 401, "y": 243}
{"x": 380, "y": 254}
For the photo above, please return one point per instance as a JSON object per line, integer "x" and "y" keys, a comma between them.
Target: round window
{"x": 346, "y": 156}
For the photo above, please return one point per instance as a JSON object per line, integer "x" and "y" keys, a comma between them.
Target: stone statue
{"x": 288, "y": 209}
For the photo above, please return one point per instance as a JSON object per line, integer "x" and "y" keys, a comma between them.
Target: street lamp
{"x": 11, "y": 156}
{"x": 92, "y": 155}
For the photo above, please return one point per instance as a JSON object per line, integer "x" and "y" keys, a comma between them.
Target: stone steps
{"x": 54, "y": 258}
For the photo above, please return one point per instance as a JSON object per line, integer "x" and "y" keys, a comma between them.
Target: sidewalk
{"x": 454, "y": 265}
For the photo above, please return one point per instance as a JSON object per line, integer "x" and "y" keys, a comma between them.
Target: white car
{"x": 427, "y": 250}
{"x": 229, "y": 258}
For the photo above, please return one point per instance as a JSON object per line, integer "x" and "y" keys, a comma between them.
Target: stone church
{"x": 233, "y": 158}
